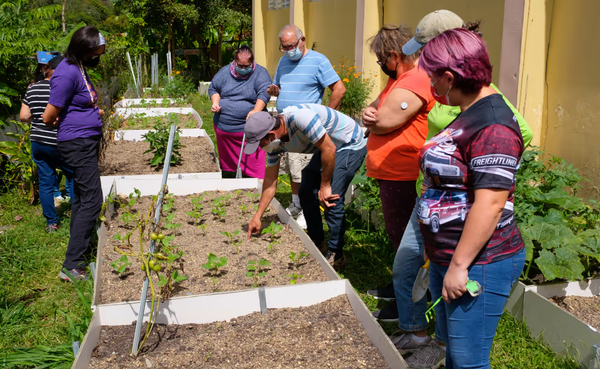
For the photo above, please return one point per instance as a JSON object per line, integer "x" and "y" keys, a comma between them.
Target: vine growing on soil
{"x": 165, "y": 263}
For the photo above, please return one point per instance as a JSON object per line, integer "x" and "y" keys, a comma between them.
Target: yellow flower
{"x": 120, "y": 116}
{"x": 355, "y": 75}
{"x": 334, "y": 67}
{"x": 346, "y": 80}
{"x": 177, "y": 72}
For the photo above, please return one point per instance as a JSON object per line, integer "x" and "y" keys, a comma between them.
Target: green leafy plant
{"x": 158, "y": 138}
{"x": 218, "y": 208}
{"x": 21, "y": 169}
{"x": 558, "y": 227}
{"x": 358, "y": 88}
{"x": 257, "y": 269}
{"x": 120, "y": 265}
{"x": 244, "y": 208}
{"x": 254, "y": 196}
{"x": 294, "y": 277}
{"x": 213, "y": 265}
{"x": 170, "y": 224}
{"x": 203, "y": 227}
{"x": 273, "y": 229}
{"x": 297, "y": 258}
{"x": 196, "y": 213}
{"x": 232, "y": 241}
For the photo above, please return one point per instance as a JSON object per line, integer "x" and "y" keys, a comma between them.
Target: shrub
{"x": 358, "y": 89}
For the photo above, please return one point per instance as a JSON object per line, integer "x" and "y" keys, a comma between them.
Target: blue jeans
{"x": 468, "y": 324}
{"x": 347, "y": 163}
{"x": 68, "y": 187}
{"x": 409, "y": 259}
{"x": 47, "y": 159}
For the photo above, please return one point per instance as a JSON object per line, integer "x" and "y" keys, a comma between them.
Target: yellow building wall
{"x": 274, "y": 21}
{"x": 331, "y": 26}
{"x": 572, "y": 108}
{"x": 410, "y": 12}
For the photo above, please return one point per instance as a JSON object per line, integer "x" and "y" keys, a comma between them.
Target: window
{"x": 278, "y": 4}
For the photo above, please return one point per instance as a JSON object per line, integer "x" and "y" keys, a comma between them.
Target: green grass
{"x": 36, "y": 307}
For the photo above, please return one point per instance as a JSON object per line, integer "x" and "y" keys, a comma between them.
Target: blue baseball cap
{"x": 43, "y": 57}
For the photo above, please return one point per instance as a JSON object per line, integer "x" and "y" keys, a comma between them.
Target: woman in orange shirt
{"x": 397, "y": 121}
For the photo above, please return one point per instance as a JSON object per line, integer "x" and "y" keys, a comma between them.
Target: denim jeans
{"x": 47, "y": 159}
{"x": 409, "y": 259}
{"x": 81, "y": 154}
{"x": 468, "y": 324}
{"x": 68, "y": 187}
{"x": 347, "y": 163}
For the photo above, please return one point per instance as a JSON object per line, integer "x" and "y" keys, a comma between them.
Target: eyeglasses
{"x": 244, "y": 67}
{"x": 288, "y": 47}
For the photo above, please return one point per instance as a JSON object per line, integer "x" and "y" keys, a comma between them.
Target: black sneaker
{"x": 78, "y": 274}
{"x": 336, "y": 259}
{"x": 383, "y": 293}
{"x": 51, "y": 228}
{"x": 388, "y": 313}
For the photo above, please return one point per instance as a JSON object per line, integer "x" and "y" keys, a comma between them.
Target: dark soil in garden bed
{"x": 128, "y": 158}
{"x": 139, "y": 121}
{"x": 197, "y": 245}
{"x": 326, "y": 335}
{"x": 586, "y": 309}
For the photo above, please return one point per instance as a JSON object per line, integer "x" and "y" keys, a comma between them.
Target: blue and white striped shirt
{"x": 303, "y": 81}
{"x": 308, "y": 123}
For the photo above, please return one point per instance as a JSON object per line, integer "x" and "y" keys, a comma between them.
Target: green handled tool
{"x": 474, "y": 289}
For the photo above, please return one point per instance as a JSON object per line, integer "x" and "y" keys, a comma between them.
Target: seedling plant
{"x": 273, "y": 229}
{"x": 213, "y": 265}
{"x": 257, "y": 269}
{"x": 232, "y": 240}
{"x": 294, "y": 278}
{"x": 196, "y": 213}
{"x": 297, "y": 258}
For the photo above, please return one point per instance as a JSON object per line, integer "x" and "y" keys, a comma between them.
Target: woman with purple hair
{"x": 466, "y": 214}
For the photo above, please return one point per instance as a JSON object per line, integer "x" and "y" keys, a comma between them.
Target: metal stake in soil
{"x": 135, "y": 84}
{"x": 161, "y": 195}
{"x": 238, "y": 172}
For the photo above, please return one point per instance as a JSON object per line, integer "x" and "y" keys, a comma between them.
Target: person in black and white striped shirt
{"x": 43, "y": 144}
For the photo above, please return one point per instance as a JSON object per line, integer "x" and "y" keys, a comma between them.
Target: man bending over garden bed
{"x": 340, "y": 148}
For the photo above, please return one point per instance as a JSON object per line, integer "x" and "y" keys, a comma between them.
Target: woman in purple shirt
{"x": 72, "y": 108}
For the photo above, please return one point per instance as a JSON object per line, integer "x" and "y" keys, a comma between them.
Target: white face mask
{"x": 272, "y": 146}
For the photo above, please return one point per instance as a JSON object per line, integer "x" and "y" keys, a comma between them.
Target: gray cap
{"x": 429, "y": 27}
{"x": 257, "y": 127}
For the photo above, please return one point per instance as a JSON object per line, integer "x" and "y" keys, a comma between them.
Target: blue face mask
{"x": 294, "y": 54}
{"x": 243, "y": 71}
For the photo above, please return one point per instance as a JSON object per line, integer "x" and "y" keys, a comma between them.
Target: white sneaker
{"x": 293, "y": 210}
{"x": 59, "y": 198}
{"x": 300, "y": 220}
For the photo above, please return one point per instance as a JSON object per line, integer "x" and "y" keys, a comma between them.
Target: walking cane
{"x": 238, "y": 172}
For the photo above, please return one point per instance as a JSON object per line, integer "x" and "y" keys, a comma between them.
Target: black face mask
{"x": 391, "y": 73}
{"x": 91, "y": 63}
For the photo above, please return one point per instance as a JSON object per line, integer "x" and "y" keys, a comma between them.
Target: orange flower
{"x": 355, "y": 75}
{"x": 333, "y": 67}
{"x": 346, "y": 80}
{"x": 342, "y": 65}
{"x": 120, "y": 116}
{"x": 177, "y": 72}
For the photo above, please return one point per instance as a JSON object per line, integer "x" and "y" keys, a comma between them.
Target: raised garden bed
{"x": 152, "y": 103}
{"x": 315, "y": 325}
{"x": 125, "y": 158}
{"x": 197, "y": 243}
{"x": 561, "y": 329}
{"x": 144, "y": 118}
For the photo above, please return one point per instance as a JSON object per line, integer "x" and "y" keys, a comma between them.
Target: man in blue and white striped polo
{"x": 339, "y": 149}
{"x": 301, "y": 78}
